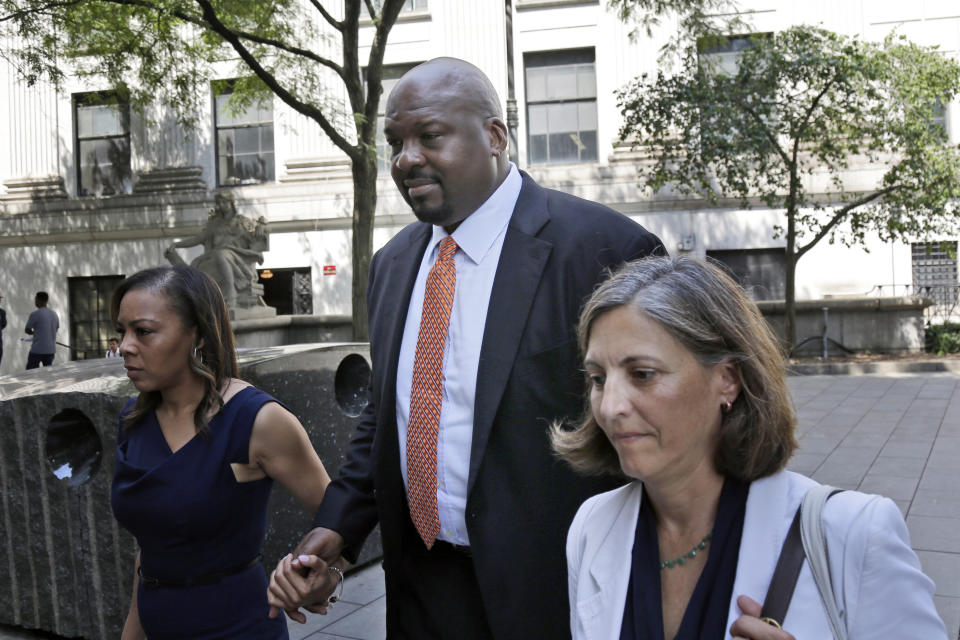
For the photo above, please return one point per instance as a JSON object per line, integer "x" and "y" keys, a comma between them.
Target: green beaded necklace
{"x": 682, "y": 560}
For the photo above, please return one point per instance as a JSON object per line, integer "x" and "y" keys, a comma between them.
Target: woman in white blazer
{"x": 688, "y": 398}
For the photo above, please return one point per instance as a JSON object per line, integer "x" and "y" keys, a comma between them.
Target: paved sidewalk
{"x": 896, "y": 434}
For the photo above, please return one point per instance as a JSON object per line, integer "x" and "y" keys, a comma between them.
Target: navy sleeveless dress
{"x": 192, "y": 518}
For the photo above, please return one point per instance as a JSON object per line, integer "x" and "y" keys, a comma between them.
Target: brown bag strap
{"x": 785, "y": 576}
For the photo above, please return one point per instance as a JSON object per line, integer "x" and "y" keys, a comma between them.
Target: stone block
{"x": 879, "y": 325}
{"x": 65, "y": 565}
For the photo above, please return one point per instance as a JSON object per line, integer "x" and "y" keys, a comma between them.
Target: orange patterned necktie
{"x": 426, "y": 393}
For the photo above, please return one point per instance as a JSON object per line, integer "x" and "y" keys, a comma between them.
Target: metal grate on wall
{"x": 935, "y": 273}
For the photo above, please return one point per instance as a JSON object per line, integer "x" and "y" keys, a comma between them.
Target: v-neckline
{"x": 166, "y": 443}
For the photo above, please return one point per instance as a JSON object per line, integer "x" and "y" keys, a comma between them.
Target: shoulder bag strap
{"x": 792, "y": 554}
{"x": 785, "y": 575}
{"x": 815, "y": 548}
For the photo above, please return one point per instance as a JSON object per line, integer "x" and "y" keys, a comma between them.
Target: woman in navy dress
{"x": 197, "y": 454}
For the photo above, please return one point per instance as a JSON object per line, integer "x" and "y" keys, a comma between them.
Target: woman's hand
{"x": 749, "y": 626}
{"x": 309, "y": 585}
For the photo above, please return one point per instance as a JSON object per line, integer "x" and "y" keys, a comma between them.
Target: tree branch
{"x": 214, "y": 23}
{"x": 244, "y": 35}
{"x": 388, "y": 16}
{"x": 327, "y": 16}
{"x": 766, "y": 131}
{"x": 372, "y": 10}
{"x": 806, "y": 118}
{"x": 21, "y": 13}
{"x": 841, "y": 213}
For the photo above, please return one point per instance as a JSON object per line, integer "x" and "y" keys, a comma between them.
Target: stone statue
{"x": 232, "y": 247}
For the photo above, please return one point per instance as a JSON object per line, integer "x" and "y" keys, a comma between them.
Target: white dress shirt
{"x": 479, "y": 240}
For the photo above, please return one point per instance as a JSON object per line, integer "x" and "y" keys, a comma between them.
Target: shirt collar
{"x": 476, "y": 234}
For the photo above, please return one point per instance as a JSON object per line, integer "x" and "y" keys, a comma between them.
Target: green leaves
{"x": 784, "y": 128}
{"x": 786, "y": 124}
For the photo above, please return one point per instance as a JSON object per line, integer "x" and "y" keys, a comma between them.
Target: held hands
{"x": 750, "y": 626}
{"x": 311, "y": 586}
{"x": 307, "y": 577}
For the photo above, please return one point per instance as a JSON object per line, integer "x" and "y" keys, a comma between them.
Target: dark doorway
{"x": 290, "y": 291}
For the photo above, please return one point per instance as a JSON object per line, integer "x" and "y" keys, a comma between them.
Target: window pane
{"x": 537, "y": 83}
{"x": 264, "y": 111}
{"x": 104, "y": 166}
{"x": 225, "y": 142}
{"x": 538, "y": 149}
{"x": 563, "y": 117}
{"x": 225, "y": 169}
{"x": 538, "y": 123}
{"x": 90, "y": 324}
{"x": 266, "y": 138}
{"x": 587, "y": 115}
{"x": 564, "y": 147}
{"x": 561, "y": 82}
{"x": 588, "y": 152}
{"x": 224, "y": 116}
{"x": 586, "y": 81}
{"x": 760, "y": 271}
{"x": 247, "y": 140}
{"x": 84, "y": 122}
{"x": 99, "y": 120}
{"x": 106, "y": 120}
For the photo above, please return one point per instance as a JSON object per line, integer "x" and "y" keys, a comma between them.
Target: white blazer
{"x": 877, "y": 580}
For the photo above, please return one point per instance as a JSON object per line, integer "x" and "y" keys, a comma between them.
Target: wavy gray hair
{"x": 708, "y": 313}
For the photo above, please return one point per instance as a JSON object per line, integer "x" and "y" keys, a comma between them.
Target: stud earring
{"x": 726, "y": 407}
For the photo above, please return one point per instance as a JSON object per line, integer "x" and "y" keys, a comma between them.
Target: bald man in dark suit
{"x": 526, "y": 259}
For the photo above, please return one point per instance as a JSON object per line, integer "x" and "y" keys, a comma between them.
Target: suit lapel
{"x": 522, "y": 261}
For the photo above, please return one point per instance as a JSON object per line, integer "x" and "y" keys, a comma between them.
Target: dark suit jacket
{"x": 521, "y": 499}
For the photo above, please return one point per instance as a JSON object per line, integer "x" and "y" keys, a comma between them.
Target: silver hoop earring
{"x": 198, "y": 355}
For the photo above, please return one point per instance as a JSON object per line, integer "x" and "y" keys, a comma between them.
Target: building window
{"x": 410, "y": 6}
{"x": 561, "y": 90}
{"x": 935, "y": 274}
{"x": 391, "y": 75}
{"x": 762, "y": 272}
{"x": 90, "y": 323}
{"x": 724, "y": 52}
{"x": 244, "y": 139}
{"x": 289, "y": 291}
{"x": 938, "y": 119}
{"x": 102, "y": 126}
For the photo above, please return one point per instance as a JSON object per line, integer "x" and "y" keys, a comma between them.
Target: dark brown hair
{"x": 708, "y": 313}
{"x": 196, "y": 299}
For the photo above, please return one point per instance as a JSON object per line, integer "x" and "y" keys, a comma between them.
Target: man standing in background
{"x": 43, "y": 325}
{"x": 113, "y": 348}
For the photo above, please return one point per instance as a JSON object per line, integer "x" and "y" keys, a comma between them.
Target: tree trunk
{"x": 790, "y": 293}
{"x": 364, "y": 209}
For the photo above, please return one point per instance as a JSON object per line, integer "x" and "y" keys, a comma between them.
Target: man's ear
{"x": 497, "y": 133}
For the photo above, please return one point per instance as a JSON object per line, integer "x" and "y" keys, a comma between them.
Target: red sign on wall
{"x": 329, "y": 269}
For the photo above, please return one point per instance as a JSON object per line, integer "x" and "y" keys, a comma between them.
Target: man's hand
{"x": 750, "y": 626}
{"x": 301, "y": 579}
{"x": 289, "y": 589}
